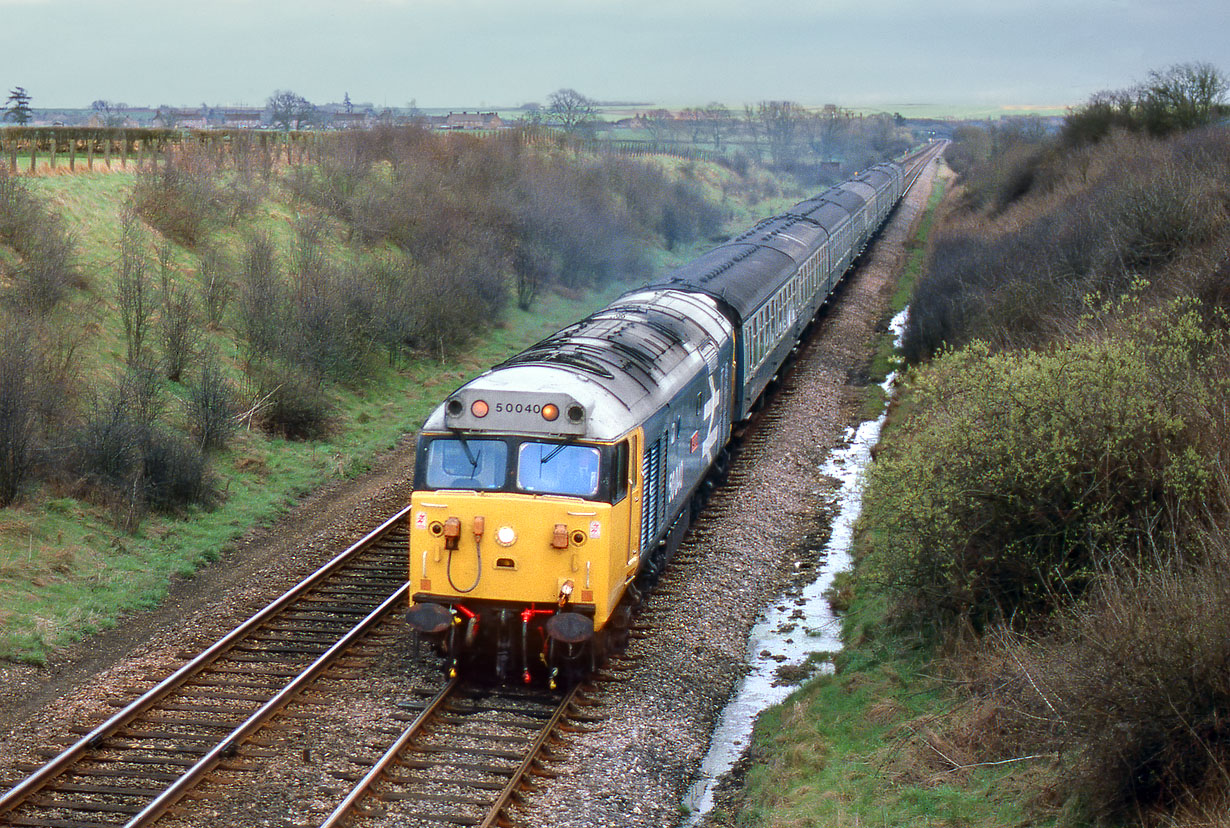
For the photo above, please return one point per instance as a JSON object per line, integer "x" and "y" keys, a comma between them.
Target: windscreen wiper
{"x": 469, "y": 454}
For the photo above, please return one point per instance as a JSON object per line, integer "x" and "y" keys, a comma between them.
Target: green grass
{"x": 864, "y": 746}
{"x": 846, "y": 750}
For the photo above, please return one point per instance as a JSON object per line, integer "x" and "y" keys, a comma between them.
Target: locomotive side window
{"x": 619, "y": 472}
{"x": 467, "y": 464}
{"x": 558, "y": 468}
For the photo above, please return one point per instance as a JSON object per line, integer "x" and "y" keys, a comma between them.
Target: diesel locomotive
{"x": 551, "y": 489}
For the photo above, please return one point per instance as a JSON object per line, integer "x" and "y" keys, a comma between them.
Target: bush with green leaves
{"x": 1015, "y": 478}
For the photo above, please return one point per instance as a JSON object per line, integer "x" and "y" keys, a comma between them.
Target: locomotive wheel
{"x": 618, "y": 626}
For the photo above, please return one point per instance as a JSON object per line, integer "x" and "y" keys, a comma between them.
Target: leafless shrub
{"x": 128, "y": 459}
{"x": 260, "y": 298}
{"x": 44, "y": 269}
{"x": 211, "y": 405}
{"x": 178, "y": 330}
{"x": 1131, "y": 693}
{"x": 18, "y": 428}
{"x": 181, "y": 198}
{"x": 134, "y": 293}
{"x": 216, "y": 289}
{"x": 1132, "y": 208}
{"x": 290, "y": 404}
{"x": 1156, "y": 217}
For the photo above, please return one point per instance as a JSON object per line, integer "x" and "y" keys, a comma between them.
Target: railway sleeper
{"x": 51, "y": 803}
{"x": 56, "y": 823}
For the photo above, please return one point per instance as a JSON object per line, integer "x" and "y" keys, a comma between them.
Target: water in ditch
{"x": 794, "y": 626}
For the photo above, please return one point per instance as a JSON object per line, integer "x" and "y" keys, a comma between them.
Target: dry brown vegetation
{"x": 1048, "y": 512}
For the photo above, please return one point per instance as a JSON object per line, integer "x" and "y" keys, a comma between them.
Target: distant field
{"x": 965, "y": 112}
{"x": 957, "y": 112}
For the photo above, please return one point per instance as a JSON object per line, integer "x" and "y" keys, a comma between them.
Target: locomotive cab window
{"x": 467, "y": 464}
{"x": 558, "y": 468}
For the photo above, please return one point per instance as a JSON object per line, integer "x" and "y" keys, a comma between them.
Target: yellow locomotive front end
{"x": 521, "y": 544}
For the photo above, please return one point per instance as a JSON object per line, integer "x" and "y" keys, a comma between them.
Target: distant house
{"x": 349, "y": 120}
{"x": 471, "y": 120}
{"x": 116, "y": 121}
{"x": 241, "y": 118}
{"x": 172, "y": 118}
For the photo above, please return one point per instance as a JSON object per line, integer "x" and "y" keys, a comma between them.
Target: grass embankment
{"x": 844, "y": 750}
{"x": 67, "y": 568}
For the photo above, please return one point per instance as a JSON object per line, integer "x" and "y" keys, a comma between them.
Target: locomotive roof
{"x": 621, "y": 364}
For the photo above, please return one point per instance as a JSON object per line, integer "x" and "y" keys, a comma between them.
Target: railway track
{"x": 134, "y": 767}
{"x": 462, "y": 759}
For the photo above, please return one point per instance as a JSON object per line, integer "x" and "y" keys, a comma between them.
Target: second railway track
{"x": 135, "y": 766}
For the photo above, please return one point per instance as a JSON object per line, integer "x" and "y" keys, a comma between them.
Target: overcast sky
{"x": 467, "y": 53}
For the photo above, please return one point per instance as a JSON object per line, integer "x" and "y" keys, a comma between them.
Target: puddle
{"x": 795, "y": 625}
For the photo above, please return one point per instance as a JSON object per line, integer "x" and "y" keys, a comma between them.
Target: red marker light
{"x": 550, "y": 412}
{"x": 479, "y": 408}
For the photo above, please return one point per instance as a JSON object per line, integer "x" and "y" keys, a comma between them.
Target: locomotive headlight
{"x": 505, "y": 536}
{"x": 479, "y": 408}
{"x": 550, "y": 412}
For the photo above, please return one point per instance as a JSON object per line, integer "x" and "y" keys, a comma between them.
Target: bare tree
{"x": 692, "y": 120}
{"x": 288, "y": 110}
{"x": 720, "y": 123}
{"x": 1184, "y": 96}
{"x": 110, "y": 113}
{"x": 570, "y": 110}
{"x": 215, "y": 286}
{"x": 178, "y": 330}
{"x": 133, "y": 293}
{"x": 17, "y": 408}
{"x": 780, "y": 123}
{"x": 823, "y": 131}
{"x": 658, "y": 123}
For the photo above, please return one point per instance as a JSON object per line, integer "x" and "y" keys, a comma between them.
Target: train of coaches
{"x": 551, "y": 489}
